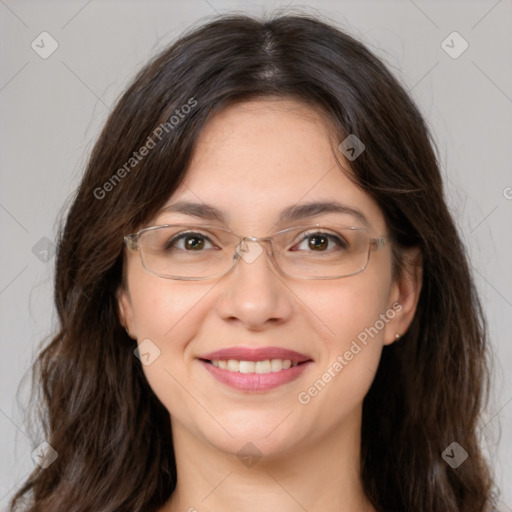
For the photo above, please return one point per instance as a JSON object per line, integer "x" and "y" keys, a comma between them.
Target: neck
{"x": 323, "y": 474}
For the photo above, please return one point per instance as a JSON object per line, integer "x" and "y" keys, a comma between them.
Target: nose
{"x": 253, "y": 293}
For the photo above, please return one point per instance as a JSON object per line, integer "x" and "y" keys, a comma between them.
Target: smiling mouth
{"x": 259, "y": 367}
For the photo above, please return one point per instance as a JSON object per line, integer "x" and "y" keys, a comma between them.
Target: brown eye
{"x": 321, "y": 242}
{"x": 318, "y": 242}
{"x": 192, "y": 242}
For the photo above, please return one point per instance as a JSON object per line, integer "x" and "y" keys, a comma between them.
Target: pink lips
{"x": 256, "y": 354}
{"x": 256, "y": 381}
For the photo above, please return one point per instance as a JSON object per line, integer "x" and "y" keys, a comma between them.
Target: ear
{"x": 404, "y": 295}
{"x": 125, "y": 311}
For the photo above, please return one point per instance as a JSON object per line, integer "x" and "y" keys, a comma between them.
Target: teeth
{"x": 267, "y": 366}
{"x": 233, "y": 366}
{"x": 276, "y": 364}
{"x": 262, "y": 366}
{"x": 243, "y": 366}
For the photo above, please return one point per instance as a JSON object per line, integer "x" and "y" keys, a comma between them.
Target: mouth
{"x": 255, "y": 370}
{"x": 260, "y": 367}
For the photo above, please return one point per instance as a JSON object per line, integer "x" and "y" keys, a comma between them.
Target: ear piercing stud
{"x": 397, "y": 336}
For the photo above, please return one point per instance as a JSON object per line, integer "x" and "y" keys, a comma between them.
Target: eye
{"x": 321, "y": 242}
{"x": 192, "y": 242}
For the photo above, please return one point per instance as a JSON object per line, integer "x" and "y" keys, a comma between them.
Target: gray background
{"x": 53, "y": 108}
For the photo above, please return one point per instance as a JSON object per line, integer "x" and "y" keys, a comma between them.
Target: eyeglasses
{"x": 187, "y": 252}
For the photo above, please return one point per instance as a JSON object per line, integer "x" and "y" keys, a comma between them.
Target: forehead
{"x": 254, "y": 159}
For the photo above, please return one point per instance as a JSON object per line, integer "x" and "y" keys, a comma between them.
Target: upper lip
{"x": 256, "y": 354}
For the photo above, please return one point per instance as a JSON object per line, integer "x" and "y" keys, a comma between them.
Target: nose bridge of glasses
{"x": 250, "y": 248}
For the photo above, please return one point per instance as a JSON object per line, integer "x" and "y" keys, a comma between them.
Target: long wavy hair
{"x": 111, "y": 433}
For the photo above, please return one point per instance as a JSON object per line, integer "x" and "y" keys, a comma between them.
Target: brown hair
{"x": 112, "y": 435}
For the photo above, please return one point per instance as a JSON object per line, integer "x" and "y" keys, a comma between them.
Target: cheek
{"x": 168, "y": 313}
{"x": 165, "y": 308}
{"x": 352, "y": 307}
{"x": 354, "y": 313}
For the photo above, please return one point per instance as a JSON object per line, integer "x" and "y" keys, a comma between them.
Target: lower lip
{"x": 256, "y": 381}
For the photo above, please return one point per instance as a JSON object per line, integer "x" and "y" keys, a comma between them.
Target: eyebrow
{"x": 289, "y": 214}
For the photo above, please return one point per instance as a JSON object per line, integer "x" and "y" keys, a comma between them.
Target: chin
{"x": 264, "y": 436}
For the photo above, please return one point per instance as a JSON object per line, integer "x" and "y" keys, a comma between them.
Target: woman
{"x": 264, "y": 303}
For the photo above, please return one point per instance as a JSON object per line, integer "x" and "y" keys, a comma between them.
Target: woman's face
{"x": 253, "y": 161}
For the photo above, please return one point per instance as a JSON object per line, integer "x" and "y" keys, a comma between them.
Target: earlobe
{"x": 405, "y": 293}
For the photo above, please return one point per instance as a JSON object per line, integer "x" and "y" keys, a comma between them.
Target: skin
{"x": 253, "y": 160}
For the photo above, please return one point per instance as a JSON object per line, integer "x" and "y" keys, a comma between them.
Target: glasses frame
{"x": 132, "y": 243}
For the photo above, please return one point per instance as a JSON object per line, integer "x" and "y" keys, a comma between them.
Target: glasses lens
{"x": 322, "y": 252}
{"x": 191, "y": 252}
{"x": 187, "y": 252}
